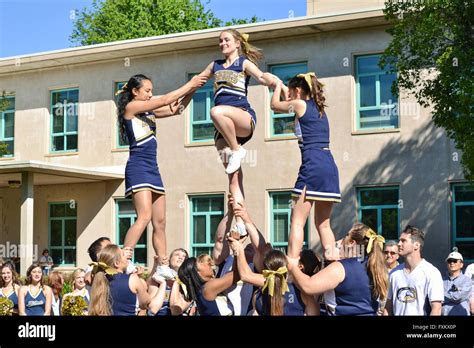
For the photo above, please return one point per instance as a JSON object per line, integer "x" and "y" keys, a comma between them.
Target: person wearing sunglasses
{"x": 457, "y": 287}
{"x": 391, "y": 254}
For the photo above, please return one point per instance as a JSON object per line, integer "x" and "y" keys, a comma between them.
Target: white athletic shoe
{"x": 240, "y": 227}
{"x": 131, "y": 268}
{"x": 165, "y": 272}
{"x": 234, "y": 160}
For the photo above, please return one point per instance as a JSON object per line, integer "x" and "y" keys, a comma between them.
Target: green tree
{"x": 3, "y": 107}
{"x": 112, "y": 20}
{"x": 432, "y": 51}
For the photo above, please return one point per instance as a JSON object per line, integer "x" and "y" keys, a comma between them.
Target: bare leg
{"x": 299, "y": 215}
{"x": 158, "y": 221}
{"x": 231, "y": 122}
{"x": 143, "y": 206}
{"x": 322, "y": 214}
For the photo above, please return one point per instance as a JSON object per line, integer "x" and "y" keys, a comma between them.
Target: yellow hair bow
{"x": 124, "y": 87}
{"x": 182, "y": 286}
{"x": 269, "y": 276}
{"x": 307, "y": 78}
{"x": 102, "y": 266}
{"x": 245, "y": 37}
{"x": 373, "y": 237}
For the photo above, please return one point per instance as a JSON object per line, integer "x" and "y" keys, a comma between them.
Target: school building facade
{"x": 62, "y": 183}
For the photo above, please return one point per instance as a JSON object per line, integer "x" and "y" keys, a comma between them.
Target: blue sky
{"x": 31, "y": 26}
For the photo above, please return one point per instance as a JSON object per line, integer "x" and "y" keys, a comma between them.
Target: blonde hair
{"x": 74, "y": 275}
{"x": 376, "y": 269}
{"x": 100, "y": 303}
{"x": 254, "y": 54}
{"x": 273, "y": 260}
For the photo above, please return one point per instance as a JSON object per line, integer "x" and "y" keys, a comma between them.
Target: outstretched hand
{"x": 235, "y": 244}
{"x": 198, "y": 81}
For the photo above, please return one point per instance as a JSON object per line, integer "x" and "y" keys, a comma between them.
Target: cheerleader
{"x": 137, "y": 114}
{"x": 34, "y": 298}
{"x": 9, "y": 284}
{"x": 233, "y": 117}
{"x": 79, "y": 285}
{"x": 318, "y": 178}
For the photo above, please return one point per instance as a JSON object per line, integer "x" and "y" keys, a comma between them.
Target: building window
{"x": 377, "y": 107}
{"x": 201, "y": 127}
{"x": 284, "y": 124}
{"x": 7, "y": 124}
{"x": 64, "y": 120}
{"x": 121, "y": 143}
{"x": 62, "y": 233}
{"x": 378, "y": 208}
{"x": 206, "y": 213}
{"x": 463, "y": 220}
{"x": 126, "y": 217}
{"x": 280, "y": 220}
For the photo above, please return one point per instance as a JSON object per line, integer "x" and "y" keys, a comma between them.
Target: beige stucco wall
{"x": 416, "y": 157}
{"x": 323, "y": 7}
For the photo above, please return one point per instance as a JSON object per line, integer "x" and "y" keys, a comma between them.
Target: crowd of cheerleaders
{"x": 244, "y": 275}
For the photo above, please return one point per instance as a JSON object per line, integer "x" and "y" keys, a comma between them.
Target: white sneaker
{"x": 131, "y": 268}
{"x": 165, "y": 272}
{"x": 234, "y": 160}
{"x": 240, "y": 227}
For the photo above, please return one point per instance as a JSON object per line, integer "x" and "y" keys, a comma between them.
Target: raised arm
{"x": 327, "y": 279}
{"x": 246, "y": 274}
{"x": 177, "y": 302}
{"x": 221, "y": 247}
{"x": 157, "y": 294}
{"x": 265, "y": 79}
{"x": 217, "y": 285}
{"x": 207, "y": 73}
{"x": 298, "y": 107}
{"x": 141, "y": 106}
{"x": 139, "y": 288}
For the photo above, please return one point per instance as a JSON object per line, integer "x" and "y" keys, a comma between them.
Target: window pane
{"x": 466, "y": 249}
{"x": 199, "y": 227}
{"x": 201, "y": 204}
{"x": 390, "y": 223}
{"x": 199, "y": 106}
{"x": 280, "y": 227}
{"x": 139, "y": 255}
{"x": 72, "y": 142}
{"x": 70, "y": 232}
{"x": 56, "y": 235}
{"x": 465, "y": 221}
{"x": 70, "y": 256}
{"x": 57, "y": 255}
{"x": 9, "y": 125}
{"x": 367, "y": 91}
{"x": 71, "y": 121}
{"x": 58, "y": 143}
{"x": 284, "y": 125}
{"x": 380, "y": 118}
{"x": 73, "y": 96}
{"x": 366, "y": 65}
{"x": 286, "y": 71}
{"x": 379, "y": 197}
{"x": 464, "y": 193}
{"x": 217, "y": 204}
{"x": 124, "y": 225}
{"x": 281, "y": 201}
{"x": 123, "y": 141}
{"x": 59, "y": 97}
{"x": 215, "y": 220}
{"x": 369, "y": 217}
{"x": 58, "y": 121}
{"x": 386, "y": 95}
{"x": 126, "y": 207}
{"x": 203, "y": 131}
{"x": 58, "y": 210}
{"x": 202, "y": 250}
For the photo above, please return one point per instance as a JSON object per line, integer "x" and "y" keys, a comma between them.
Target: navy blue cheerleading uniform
{"x": 353, "y": 295}
{"x": 12, "y": 296}
{"x": 293, "y": 304}
{"x": 124, "y": 301}
{"x": 221, "y": 306}
{"x": 142, "y": 172}
{"x": 318, "y": 171}
{"x": 230, "y": 88}
{"x": 35, "y": 305}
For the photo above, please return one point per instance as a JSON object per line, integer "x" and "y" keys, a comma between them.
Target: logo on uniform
{"x": 406, "y": 295}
